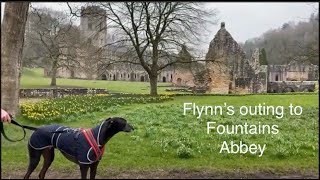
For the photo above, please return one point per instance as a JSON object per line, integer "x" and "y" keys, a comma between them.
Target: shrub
{"x": 184, "y": 152}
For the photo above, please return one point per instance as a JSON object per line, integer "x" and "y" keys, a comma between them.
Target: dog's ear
{"x": 109, "y": 122}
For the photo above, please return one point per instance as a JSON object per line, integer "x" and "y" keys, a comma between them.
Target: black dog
{"x": 83, "y": 147}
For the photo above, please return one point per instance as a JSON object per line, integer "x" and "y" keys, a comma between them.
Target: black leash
{"x": 17, "y": 124}
{"x": 6, "y": 137}
{"x": 23, "y": 128}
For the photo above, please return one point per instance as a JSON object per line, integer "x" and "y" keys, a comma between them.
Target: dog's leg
{"x": 84, "y": 170}
{"x": 48, "y": 155}
{"x": 34, "y": 158}
{"x": 93, "y": 170}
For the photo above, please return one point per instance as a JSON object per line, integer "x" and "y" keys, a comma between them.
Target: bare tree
{"x": 155, "y": 30}
{"x": 58, "y": 37}
{"x": 12, "y": 40}
{"x": 33, "y": 51}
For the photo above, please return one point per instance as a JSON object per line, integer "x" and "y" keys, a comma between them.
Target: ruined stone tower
{"x": 225, "y": 62}
{"x": 187, "y": 73}
{"x": 93, "y": 25}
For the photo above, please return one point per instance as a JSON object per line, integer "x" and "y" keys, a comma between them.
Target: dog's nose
{"x": 128, "y": 128}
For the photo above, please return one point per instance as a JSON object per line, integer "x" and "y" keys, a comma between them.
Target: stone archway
{"x": 230, "y": 88}
{"x": 142, "y": 78}
{"x": 288, "y": 89}
{"x": 104, "y": 77}
{"x": 72, "y": 73}
{"x": 164, "y": 79}
{"x": 307, "y": 90}
{"x": 117, "y": 76}
{"x": 179, "y": 81}
{"x": 114, "y": 77}
{"x": 132, "y": 76}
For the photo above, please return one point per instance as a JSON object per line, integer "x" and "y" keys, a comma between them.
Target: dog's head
{"x": 119, "y": 124}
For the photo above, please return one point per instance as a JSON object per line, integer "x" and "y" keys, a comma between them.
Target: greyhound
{"x": 84, "y": 147}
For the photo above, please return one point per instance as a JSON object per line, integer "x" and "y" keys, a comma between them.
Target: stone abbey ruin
{"x": 226, "y": 70}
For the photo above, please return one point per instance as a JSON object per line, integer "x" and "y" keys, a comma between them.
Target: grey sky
{"x": 249, "y": 20}
{"x": 243, "y": 20}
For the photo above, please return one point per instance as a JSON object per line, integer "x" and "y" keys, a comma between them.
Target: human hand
{"x": 5, "y": 117}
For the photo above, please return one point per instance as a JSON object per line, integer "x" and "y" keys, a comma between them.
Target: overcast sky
{"x": 243, "y": 20}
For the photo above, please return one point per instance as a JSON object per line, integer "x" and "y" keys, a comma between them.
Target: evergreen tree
{"x": 263, "y": 57}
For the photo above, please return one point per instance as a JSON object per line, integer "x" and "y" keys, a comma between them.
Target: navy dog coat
{"x": 71, "y": 141}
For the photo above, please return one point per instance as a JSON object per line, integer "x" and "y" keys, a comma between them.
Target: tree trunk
{"x": 153, "y": 84}
{"x": 154, "y": 70}
{"x": 54, "y": 74}
{"x": 12, "y": 41}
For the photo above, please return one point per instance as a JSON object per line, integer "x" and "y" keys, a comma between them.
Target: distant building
{"x": 226, "y": 70}
{"x": 91, "y": 54}
{"x": 93, "y": 25}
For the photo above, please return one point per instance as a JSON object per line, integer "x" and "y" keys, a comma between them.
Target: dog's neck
{"x": 103, "y": 133}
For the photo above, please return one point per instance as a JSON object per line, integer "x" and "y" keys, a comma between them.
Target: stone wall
{"x": 187, "y": 72}
{"x": 189, "y": 75}
{"x": 291, "y": 86}
{"x": 50, "y": 93}
{"x": 261, "y": 80}
{"x": 219, "y": 78}
{"x": 257, "y": 74}
{"x": 183, "y": 77}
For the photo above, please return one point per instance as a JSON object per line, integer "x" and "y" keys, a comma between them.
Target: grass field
{"x": 34, "y": 78}
{"x": 167, "y": 140}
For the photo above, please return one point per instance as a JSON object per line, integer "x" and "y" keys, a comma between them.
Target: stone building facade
{"x": 294, "y": 77}
{"x": 129, "y": 72}
{"x": 294, "y": 71}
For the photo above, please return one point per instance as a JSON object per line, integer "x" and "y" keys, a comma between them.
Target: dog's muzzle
{"x": 128, "y": 128}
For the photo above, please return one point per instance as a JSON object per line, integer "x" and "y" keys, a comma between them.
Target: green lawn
{"x": 34, "y": 78}
{"x": 164, "y": 138}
